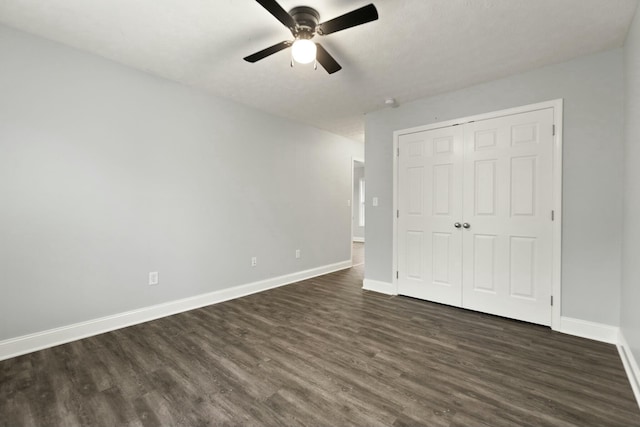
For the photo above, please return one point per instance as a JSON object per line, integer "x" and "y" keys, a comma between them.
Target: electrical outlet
{"x": 375, "y": 201}
{"x": 349, "y": 203}
{"x": 297, "y": 253}
{"x": 153, "y": 278}
{"x": 254, "y": 261}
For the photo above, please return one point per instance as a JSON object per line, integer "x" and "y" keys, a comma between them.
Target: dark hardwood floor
{"x": 321, "y": 352}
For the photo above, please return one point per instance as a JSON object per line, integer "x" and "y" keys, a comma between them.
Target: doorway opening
{"x": 358, "y": 186}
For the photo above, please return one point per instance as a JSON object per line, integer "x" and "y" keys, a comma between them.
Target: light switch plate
{"x": 153, "y": 278}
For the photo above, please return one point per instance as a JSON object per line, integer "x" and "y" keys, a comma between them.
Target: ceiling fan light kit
{"x": 302, "y": 21}
{"x": 303, "y": 51}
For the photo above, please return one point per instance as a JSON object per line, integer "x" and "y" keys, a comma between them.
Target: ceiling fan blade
{"x": 278, "y": 12}
{"x": 326, "y": 60}
{"x": 268, "y": 51}
{"x": 357, "y": 17}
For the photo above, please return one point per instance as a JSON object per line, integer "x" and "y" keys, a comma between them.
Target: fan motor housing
{"x": 306, "y": 17}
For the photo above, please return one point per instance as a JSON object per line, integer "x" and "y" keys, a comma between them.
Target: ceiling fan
{"x": 302, "y": 21}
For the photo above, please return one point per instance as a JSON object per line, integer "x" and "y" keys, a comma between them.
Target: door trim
{"x": 557, "y": 106}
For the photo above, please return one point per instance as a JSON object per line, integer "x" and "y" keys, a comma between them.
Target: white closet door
{"x": 430, "y": 202}
{"x": 507, "y": 249}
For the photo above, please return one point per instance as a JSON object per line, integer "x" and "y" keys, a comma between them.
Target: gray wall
{"x": 358, "y": 173}
{"x": 107, "y": 173}
{"x": 592, "y": 88}
{"x": 630, "y": 313}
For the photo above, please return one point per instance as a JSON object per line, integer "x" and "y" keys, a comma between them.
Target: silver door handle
{"x": 457, "y": 225}
{"x": 466, "y": 225}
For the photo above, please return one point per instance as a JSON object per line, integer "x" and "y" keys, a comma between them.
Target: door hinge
{"x": 397, "y": 275}
{"x": 398, "y": 152}
{"x": 553, "y": 130}
{"x": 553, "y": 215}
{"x": 398, "y": 213}
{"x": 552, "y": 300}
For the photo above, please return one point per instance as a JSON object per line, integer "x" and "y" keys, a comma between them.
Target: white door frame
{"x": 353, "y": 202}
{"x": 557, "y": 105}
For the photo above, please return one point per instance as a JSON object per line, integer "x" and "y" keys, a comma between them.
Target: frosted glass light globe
{"x": 303, "y": 51}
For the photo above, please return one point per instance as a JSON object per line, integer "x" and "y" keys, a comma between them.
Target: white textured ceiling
{"x": 416, "y": 49}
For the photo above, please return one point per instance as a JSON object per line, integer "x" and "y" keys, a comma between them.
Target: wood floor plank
{"x": 321, "y": 352}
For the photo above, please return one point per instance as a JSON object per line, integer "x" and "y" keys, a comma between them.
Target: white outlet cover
{"x": 375, "y": 201}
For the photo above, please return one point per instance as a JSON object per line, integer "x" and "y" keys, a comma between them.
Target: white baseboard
{"x": 609, "y": 334}
{"x": 630, "y": 365}
{"x": 592, "y": 330}
{"x": 381, "y": 287}
{"x": 28, "y": 343}
{"x": 358, "y": 239}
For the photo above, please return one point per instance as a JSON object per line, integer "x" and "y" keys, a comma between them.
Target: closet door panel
{"x": 430, "y": 203}
{"x": 507, "y": 247}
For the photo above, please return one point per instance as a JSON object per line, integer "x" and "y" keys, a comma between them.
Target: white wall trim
{"x": 556, "y": 267}
{"x": 591, "y": 330}
{"x": 37, "y": 341}
{"x": 380, "y": 287}
{"x": 630, "y": 365}
{"x": 358, "y": 239}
